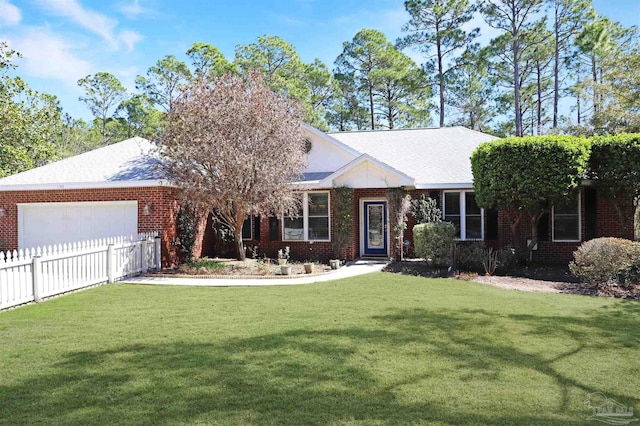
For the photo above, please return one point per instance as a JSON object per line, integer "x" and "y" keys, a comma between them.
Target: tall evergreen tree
{"x": 438, "y": 25}
{"x": 514, "y": 18}
{"x": 164, "y": 80}
{"x": 103, "y": 93}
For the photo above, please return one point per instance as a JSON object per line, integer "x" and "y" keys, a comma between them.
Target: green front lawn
{"x": 375, "y": 349}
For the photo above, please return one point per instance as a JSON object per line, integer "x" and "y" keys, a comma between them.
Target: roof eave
{"x": 84, "y": 185}
{"x": 454, "y": 185}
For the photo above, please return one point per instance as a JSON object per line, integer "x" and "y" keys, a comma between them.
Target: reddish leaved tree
{"x": 234, "y": 146}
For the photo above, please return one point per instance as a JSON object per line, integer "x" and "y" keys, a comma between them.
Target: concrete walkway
{"x": 358, "y": 267}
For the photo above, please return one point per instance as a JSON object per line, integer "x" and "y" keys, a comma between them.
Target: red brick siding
{"x": 607, "y": 225}
{"x": 548, "y": 251}
{"x": 161, "y": 217}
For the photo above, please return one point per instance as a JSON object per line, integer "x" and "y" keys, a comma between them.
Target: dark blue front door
{"x": 375, "y": 228}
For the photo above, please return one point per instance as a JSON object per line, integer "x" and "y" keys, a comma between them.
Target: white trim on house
{"x": 331, "y": 139}
{"x": 405, "y": 180}
{"x": 461, "y": 186}
{"x": 463, "y": 214}
{"x": 553, "y": 223}
{"x": 305, "y": 218}
{"x": 361, "y": 221}
{"x": 85, "y": 185}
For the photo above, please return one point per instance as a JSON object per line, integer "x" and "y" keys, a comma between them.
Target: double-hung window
{"x": 566, "y": 221}
{"x": 461, "y": 209}
{"x": 312, "y": 221}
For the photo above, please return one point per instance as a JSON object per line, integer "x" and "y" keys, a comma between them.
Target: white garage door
{"x": 42, "y": 224}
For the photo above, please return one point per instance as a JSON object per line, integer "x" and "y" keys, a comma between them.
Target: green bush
{"x": 602, "y": 261}
{"x": 507, "y": 258}
{"x": 186, "y": 228}
{"x": 425, "y": 210}
{"x": 470, "y": 256}
{"x": 434, "y": 242}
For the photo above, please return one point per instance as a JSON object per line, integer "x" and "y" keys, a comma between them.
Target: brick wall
{"x": 161, "y": 217}
{"x": 548, "y": 251}
{"x": 607, "y": 225}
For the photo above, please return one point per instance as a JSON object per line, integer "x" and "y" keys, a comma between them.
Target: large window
{"x": 312, "y": 221}
{"x": 461, "y": 209}
{"x": 566, "y": 221}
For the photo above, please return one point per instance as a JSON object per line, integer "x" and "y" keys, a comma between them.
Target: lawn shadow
{"x": 304, "y": 377}
{"x": 465, "y": 336}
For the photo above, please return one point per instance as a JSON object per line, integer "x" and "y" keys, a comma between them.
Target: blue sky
{"x": 63, "y": 40}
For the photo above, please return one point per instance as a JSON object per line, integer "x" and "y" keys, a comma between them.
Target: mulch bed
{"x": 249, "y": 268}
{"x": 542, "y": 278}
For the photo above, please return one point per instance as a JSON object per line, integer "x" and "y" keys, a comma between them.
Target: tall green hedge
{"x": 529, "y": 174}
{"x": 614, "y": 168}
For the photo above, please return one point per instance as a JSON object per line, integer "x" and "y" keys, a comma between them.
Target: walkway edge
{"x": 355, "y": 269}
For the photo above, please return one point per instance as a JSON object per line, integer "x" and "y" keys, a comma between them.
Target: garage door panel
{"x": 58, "y": 223}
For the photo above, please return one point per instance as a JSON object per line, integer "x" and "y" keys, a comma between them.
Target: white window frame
{"x": 553, "y": 223}
{"x": 305, "y": 217}
{"x": 463, "y": 215}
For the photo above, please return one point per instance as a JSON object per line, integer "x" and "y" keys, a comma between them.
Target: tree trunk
{"x": 390, "y": 108}
{"x": 539, "y": 102}
{"x": 594, "y": 75}
{"x": 514, "y": 221}
{"x": 440, "y": 79}
{"x": 240, "y": 251}
{"x": 516, "y": 83}
{"x": 104, "y": 130}
{"x": 556, "y": 71}
{"x": 202, "y": 214}
{"x": 534, "y": 233}
{"x": 373, "y": 122}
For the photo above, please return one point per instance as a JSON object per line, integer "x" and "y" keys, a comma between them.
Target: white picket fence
{"x": 33, "y": 274}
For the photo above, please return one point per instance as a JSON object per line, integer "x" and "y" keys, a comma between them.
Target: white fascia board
{"x": 331, "y": 139}
{"x": 465, "y": 185}
{"x": 406, "y": 180}
{"x": 84, "y": 185}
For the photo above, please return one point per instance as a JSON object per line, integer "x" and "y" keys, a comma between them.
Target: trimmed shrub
{"x": 434, "y": 242}
{"x": 469, "y": 257}
{"x": 603, "y": 260}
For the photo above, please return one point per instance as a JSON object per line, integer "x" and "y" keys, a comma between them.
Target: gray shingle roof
{"x": 129, "y": 160}
{"x": 431, "y": 156}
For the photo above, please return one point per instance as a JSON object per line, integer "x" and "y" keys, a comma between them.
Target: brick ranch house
{"x": 118, "y": 190}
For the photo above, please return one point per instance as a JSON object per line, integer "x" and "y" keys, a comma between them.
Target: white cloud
{"x": 133, "y": 10}
{"x": 48, "y": 56}
{"x": 95, "y": 22}
{"x": 129, "y": 38}
{"x": 9, "y": 14}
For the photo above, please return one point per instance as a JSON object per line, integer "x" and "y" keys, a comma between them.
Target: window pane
{"x": 565, "y": 227}
{"x": 470, "y": 203}
{"x": 566, "y": 223}
{"x": 318, "y": 204}
{"x": 474, "y": 227}
{"x": 293, "y": 228}
{"x": 451, "y": 203}
{"x": 246, "y": 229}
{"x": 318, "y": 228}
{"x": 571, "y": 208}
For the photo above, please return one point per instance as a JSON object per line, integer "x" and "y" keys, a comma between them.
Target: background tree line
{"x": 556, "y": 66}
